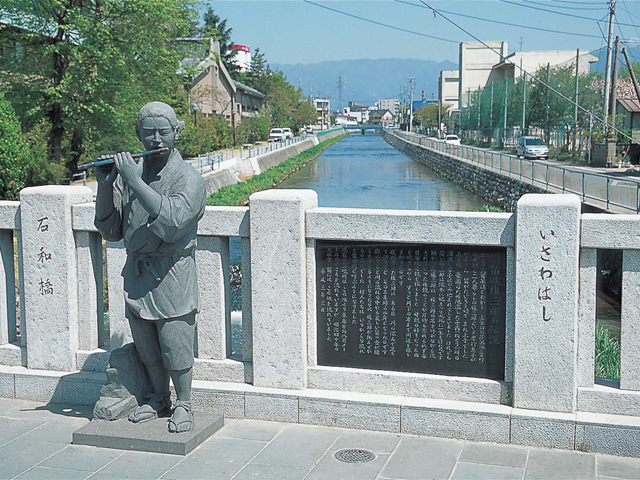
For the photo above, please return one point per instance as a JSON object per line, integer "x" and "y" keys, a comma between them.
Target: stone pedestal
{"x": 546, "y": 320}
{"x": 152, "y": 436}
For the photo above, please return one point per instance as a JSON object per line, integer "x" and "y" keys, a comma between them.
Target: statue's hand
{"x": 106, "y": 174}
{"x": 127, "y": 167}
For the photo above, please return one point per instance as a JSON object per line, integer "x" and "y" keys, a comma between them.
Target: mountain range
{"x": 366, "y": 81}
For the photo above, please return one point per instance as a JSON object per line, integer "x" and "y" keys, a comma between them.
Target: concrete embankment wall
{"x": 247, "y": 167}
{"x": 272, "y": 159}
{"x": 214, "y": 181}
{"x": 495, "y": 188}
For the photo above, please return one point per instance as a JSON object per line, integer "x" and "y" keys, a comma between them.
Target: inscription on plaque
{"x": 413, "y": 308}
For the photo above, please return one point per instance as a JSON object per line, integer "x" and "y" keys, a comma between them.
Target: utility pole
{"x": 631, "y": 73}
{"x": 479, "y": 107}
{"x": 411, "y": 79}
{"x": 575, "y": 107}
{"x": 614, "y": 82}
{"x": 506, "y": 98}
{"x": 468, "y": 106}
{"x": 439, "y": 111}
{"x": 491, "y": 116}
{"x": 524, "y": 97}
{"x": 607, "y": 69}
{"x": 546, "y": 108}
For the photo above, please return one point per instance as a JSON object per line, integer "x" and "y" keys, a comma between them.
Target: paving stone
{"x": 18, "y": 456}
{"x": 471, "y": 471}
{"x": 420, "y": 457}
{"x": 618, "y": 467}
{"x": 151, "y": 436}
{"x": 79, "y": 457}
{"x": 251, "y": 430}
{"x": 558, "y": 464}
{"x": 12, "y": 428}
{"x": 491, "y": 454}
{"x": 272, "y": 472}
{"x": 45, "y": 473}
{"x": 48, "y": 411}
{"x": 58, "y": 430}
{"x": 217, "y": 459}
{"x": 298, "y": 446}
{"x": 138, "y": 466}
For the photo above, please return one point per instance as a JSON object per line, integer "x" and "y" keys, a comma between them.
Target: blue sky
{"x": 312, "y": 31}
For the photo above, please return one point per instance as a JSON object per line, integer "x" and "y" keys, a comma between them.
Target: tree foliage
{"x": 543, "y": 106}
{"x": 286, "y": 106}
{"x": 427, "y": 116}
{"x": 86, "y": 66}
{"x": 13, "y": 153}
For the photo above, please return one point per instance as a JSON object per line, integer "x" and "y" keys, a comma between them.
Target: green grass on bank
{"x": 238, "y": 194}
{"x": 607, "y": 354}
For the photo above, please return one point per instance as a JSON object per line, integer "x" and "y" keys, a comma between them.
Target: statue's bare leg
{"x": 182, "y": 418}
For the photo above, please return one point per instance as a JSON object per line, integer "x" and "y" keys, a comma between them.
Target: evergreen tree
{"x": 215, "y": 27}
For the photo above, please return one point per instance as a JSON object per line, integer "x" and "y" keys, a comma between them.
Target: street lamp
{"x": 195, "y": 107}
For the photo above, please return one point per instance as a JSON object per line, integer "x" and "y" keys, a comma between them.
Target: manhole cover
{"x": 355, "y": 455}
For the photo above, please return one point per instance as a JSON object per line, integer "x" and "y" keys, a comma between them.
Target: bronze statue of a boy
{"x": 154, "y": 205}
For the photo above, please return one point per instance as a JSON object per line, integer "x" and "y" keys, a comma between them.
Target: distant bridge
{"x": 363, "y": 127}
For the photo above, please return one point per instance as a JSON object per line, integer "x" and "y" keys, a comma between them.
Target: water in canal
{"x": 363, "y": 171}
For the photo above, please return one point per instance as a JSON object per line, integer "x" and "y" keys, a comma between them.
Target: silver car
{"x": 532, "y": 147}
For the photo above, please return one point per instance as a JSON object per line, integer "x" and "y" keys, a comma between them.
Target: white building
{"x": 480, "y": 66}
{"x": 323, "y": 107}
{"x": 390, "y": 104}
{"x": 346, "y": 120}
{"x": 360, "y": 114}
{"x": 448, "y": 88}
{"x": 243, "y": 57}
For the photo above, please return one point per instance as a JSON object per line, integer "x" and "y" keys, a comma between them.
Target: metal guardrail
{"x": 208, "y": 162}
{"x": 597, "y": 189}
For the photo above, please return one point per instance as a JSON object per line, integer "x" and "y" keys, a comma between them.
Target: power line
{"x": 503, "y": 23}
{"x": 624, "y": 5}
{"x": 557, "y": 13}
{"x": 577, "y": 3}
{"x": 560, "y": 6}
{"x": 524, "y": 72}
{"x": 379, "y": 23}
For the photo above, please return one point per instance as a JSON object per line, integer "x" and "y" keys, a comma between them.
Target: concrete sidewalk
{"x": 35, "y": 443}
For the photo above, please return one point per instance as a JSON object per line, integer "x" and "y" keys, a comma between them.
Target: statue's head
{"x": 158, "y": 126}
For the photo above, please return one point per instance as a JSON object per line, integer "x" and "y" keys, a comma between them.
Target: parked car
{"x": 277, "y": 134}
{"x": 452, "y": 139}
{"x": 532, "y": 147}
{"x": 308, "y": 129}
{"x": 287, "y": 133}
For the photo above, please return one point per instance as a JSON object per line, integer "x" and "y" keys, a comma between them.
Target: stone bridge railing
{"x": 548, "y": 396}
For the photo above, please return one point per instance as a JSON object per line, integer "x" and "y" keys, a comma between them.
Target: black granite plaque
{"x": 412, "y": 308}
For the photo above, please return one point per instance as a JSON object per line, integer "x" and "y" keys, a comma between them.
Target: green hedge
{"x": 238, "y": 194}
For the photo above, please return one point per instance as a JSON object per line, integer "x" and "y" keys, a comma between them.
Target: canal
{"x": 363, "y": 171}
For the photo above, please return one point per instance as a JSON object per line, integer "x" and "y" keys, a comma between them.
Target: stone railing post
{"x": 278, "y": 286}
{"x": 119, "y": 331}
{"x": 546, "y": 322}
{"x": 50, "y": 309}
{"x": 214, "y": 320}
